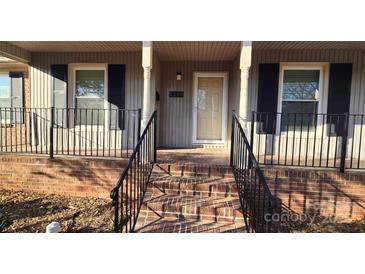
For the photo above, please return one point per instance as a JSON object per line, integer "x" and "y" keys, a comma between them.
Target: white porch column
{"x": 245, "y": 64}
{"x": 148, "y": 105}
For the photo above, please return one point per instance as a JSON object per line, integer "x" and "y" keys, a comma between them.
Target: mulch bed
{"x": 32, "y": 212}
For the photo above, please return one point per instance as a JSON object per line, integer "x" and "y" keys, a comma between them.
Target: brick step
{"x": 194, "y": 170}
{"x": 154, "y": 224}
{"x": 223, "y": 210}
{"x": 195, "y": 186}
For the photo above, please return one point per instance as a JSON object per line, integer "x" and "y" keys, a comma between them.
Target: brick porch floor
{"x": 190, "y": 202}
{"x": 197, "y": 156}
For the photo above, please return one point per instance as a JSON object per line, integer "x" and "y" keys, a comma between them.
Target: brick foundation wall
{"x": 64, "y": 176}
{"x": 333, "y": 194}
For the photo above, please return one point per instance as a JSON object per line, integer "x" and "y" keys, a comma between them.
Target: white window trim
{"x": 322, "y": 93}
{"x": 72, "y": 87}
{"x": 195, "y": 141}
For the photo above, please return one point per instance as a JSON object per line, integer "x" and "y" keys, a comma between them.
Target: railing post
{"x": 139, "y": 124}
{"x": 51, "y": 133}
{"x": 115, "y": 204}
{"x": 251, "y": 137}
{"x": 155, "y": 137}
{"x": 232, "y": 140}
{"x": 344, "y": 143}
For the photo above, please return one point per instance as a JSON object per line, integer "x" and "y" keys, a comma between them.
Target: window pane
{"x": 300, "y": 84}
{"x": 90, "y": 95}
{"x": 4, "y": 87}
{"x": 90, "y": 83}
{"x": 299, "y": 107}
{"x": 90, "y": 116}
{"x": 305, "y": 115}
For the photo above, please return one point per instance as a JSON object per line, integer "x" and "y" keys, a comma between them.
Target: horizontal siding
{"x": 40, "y": 71}
{"x": 176, "y": 130}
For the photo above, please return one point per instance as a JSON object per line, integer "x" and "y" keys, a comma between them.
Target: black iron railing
{"x": 257, "y": 202}
{"x": 309, "y": 139}
{"x": 69, "y": 131}
{"x": 127, "y": 195}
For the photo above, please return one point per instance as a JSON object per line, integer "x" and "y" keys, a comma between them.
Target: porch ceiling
{"x": 264, "y": 45}
{"x": 5, "y": 60}
{"x": 78, "y": 46}
{"x": 182, "y": 50}
{"x": 225, "y": 50}
{"x": 7, "y": 63}
{"x": 197, "y": 50}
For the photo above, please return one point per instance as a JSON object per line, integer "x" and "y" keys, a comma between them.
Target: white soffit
{"x": 262, "y": 45}
{"x": 78, "y": 46}
{"x": 197, "y": 50}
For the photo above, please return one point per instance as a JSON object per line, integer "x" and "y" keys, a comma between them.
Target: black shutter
{"x": 59, "y": 89}
{"x": 339, "y": 91}
{"x": 116, "y": 95}
{"x": 17, "y": 94}
{"x": 267, "y": 100}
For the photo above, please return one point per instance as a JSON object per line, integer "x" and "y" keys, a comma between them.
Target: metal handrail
{"x": 254, "y": 162}
{"x": 257, "y": 202}
{"x": 135, "y": 169}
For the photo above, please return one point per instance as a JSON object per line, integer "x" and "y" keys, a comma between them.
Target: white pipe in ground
{"x": 53, "y": 227}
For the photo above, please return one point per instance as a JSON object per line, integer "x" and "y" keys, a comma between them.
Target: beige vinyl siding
{"x": 357, "y": 100}
{"x": 176, "y": 124}
{"x": 41, "y": 90}
{"x": 41, "y": 80}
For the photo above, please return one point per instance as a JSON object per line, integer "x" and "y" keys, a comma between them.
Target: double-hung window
{"x": 5, "y": 98}
{"x": 11, "y": 97}
{"x": 5, "y": 90}
{"x": 299, "y": 100}
{"x": 90, "y": 86}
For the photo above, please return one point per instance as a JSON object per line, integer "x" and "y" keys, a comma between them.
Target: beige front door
{"x": 209, "y": 108}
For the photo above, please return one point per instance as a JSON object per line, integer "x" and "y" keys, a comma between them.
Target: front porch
{"x": 177, "y": 98}
{"x": 173, "y": 78}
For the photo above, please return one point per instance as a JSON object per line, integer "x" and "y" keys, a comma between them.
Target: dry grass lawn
{"x": 31, "y": 212}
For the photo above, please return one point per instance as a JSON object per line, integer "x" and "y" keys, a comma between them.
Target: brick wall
{"x": 65, "y": 176}
{"x": 26, "y": 98}
{"x": 332, "y": 193}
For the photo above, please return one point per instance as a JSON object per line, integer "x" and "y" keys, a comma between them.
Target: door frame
{"x": 224, "y": 75}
